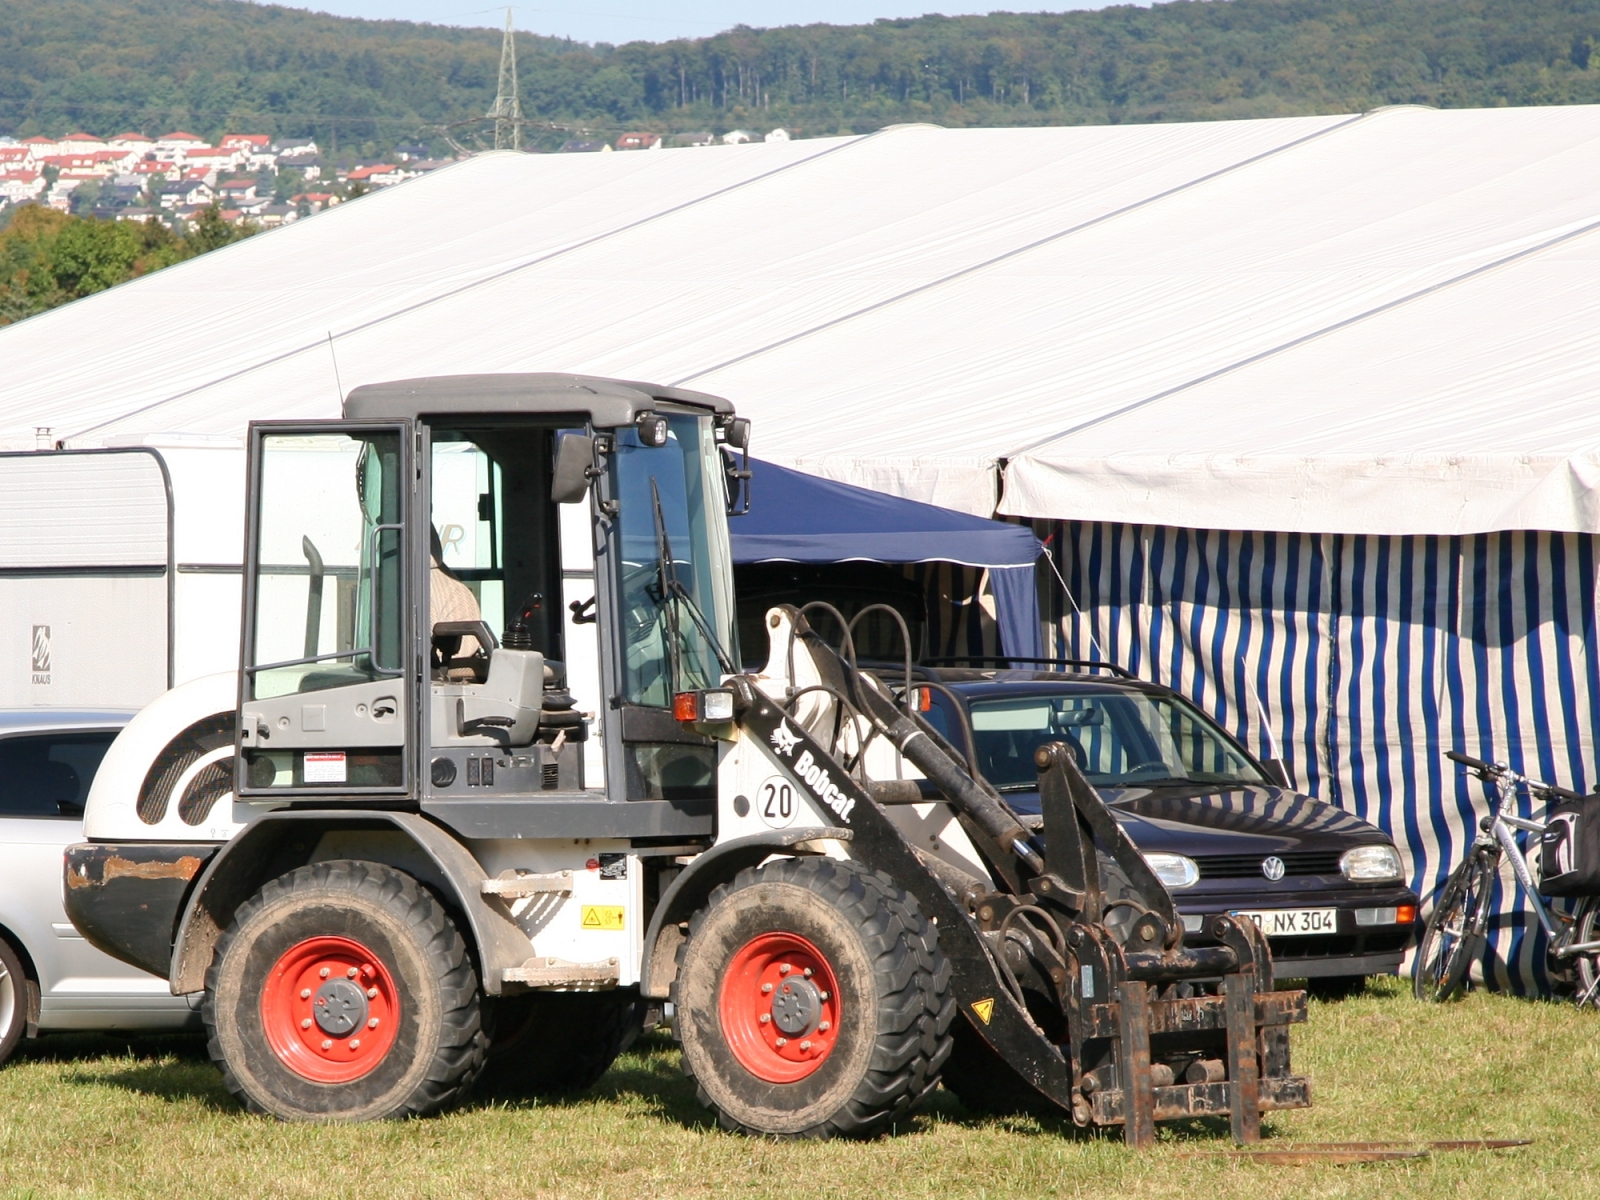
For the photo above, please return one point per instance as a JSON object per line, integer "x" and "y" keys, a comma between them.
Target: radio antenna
{"x": 335, "y": 357}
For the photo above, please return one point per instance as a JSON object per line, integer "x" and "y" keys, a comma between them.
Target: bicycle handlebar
{"x": 1498, "y": 771}
{"x": 1477, "y": 764}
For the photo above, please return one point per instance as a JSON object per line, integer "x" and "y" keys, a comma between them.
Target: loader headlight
{"x": 1371, "y": 864}
{"x": 1174, "y": 870}
{"x": 652, "y": 429}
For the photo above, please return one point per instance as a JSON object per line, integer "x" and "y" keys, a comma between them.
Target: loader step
{"x": 558, "y": 972}
{"x": 519, "y": 887}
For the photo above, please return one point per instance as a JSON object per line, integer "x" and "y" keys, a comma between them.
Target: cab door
{"x": 330, "y": 676}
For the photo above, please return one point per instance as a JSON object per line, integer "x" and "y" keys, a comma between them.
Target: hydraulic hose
{"x": 917, "y": 742}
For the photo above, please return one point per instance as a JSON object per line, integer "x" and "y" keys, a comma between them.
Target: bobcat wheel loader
{"x": 487, "y": 782}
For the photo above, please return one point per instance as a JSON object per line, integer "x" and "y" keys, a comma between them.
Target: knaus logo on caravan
{"x": 41, "y": 654}
{"x": 813, "y": 773}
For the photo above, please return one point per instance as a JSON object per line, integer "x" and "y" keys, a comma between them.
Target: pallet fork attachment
{"x": 1115, "y": 1025}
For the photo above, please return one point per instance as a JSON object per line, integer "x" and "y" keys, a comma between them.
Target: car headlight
{"x": 1174, "y": 870}
{"x": 1371, "y": 864}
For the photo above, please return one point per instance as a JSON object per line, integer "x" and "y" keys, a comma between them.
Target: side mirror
{"x": 1278, "y": 771}
{"x": 569, "y": 482}
{"x": 737, "y": 433}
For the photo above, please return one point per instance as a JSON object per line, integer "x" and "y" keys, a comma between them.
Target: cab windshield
{"x": 677, "y": 574}
{"x": 1120, "y": 738}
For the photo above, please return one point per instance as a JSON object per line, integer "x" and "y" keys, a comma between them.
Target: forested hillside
{"x": 207, "y": 65}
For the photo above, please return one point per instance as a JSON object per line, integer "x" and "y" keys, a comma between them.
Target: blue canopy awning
{"x": 795, "y": 517}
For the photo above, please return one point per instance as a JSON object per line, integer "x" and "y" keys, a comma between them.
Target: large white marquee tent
{"x": 1308, "y": 408}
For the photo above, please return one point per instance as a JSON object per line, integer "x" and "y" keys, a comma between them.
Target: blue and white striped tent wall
{"x": 1362, "y": 659}
{"x": 958, "y": 621}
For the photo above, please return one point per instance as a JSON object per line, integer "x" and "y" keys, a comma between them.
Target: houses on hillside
{"x": 245, "y": 176}
{"x": 133, "y": 176}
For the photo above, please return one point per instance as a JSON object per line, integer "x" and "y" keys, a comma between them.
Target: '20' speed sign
{"x": 776, "y": 802}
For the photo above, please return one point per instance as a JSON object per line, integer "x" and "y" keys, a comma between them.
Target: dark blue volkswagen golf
{"x": 1225, "y": 832}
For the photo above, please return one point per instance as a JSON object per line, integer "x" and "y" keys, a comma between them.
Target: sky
{"x": 620, "y": 21}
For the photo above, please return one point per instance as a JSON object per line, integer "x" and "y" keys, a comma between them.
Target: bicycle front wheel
{"x": 1454, "y": 935}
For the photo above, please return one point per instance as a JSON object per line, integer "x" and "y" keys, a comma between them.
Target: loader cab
{"x": 427, "y": 625}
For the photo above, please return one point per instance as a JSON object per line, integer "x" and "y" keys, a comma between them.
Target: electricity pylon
{"x": 507, "y": 110}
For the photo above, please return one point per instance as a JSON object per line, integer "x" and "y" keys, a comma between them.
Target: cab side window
{"x": 48, "y": 775}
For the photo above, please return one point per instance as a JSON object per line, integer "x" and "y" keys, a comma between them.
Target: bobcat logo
{"x": 784, "y": 741}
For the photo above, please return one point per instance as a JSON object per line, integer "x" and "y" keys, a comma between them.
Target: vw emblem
{"x": 1272, "y": 867}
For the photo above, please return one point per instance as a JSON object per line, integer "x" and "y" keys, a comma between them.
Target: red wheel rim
{"x": 786, "y": 980}
{"x": 330, "y": 1009}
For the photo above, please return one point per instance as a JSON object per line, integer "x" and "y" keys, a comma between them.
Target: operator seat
{"x": 451, "y": 600}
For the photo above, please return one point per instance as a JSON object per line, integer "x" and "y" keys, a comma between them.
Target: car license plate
{"x": 1294, "y": 922}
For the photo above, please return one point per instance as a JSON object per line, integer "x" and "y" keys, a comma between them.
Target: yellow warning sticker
{"x": 602, "y": 916}
{"x": 984, "y": 1009}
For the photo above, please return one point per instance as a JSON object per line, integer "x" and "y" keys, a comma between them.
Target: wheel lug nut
{"x": 824, "y": 1026}
{"x": 785, "y": 969}
{"x": 806, "y": 1045}
{"x": 822, "y": 995}
{"x": 351, "y": 973}
{"x": 372, "y": 993}
{"x": 808, "y": 972}
{"x": 327, "y": 1044}
{"x": 305, "y": 993}
{"x": 355, "y": 1043}
{"x": 765, "y": 988}
{"x": 325, "y": 972}
{"x": 372, "y": 1024}
{"x": 783, "y": 1041}
{"x": 766, "y": 1018}
{"x": 306, "y": 1024}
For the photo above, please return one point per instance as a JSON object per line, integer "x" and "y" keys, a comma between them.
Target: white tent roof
{"x": 1381, "y": 324}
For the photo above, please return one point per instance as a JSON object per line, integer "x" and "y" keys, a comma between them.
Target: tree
{"x": 48, "y": 258}
{"x": 211, "y": 232}
{"x": 88, "y": 256}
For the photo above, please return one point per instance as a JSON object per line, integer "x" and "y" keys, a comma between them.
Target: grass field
{"x": 92, "y": 1116}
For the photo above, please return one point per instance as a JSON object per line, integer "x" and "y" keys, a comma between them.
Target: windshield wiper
{"x": 671, "y": 588}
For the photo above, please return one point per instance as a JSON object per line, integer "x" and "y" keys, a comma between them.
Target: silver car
{"x": 50, "y": 978}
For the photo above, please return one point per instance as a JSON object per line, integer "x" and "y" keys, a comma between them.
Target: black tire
{"x": 438, "y": 1042}
{"x": 13, "y": 1002}
{"x": 1453, "y": 937}
{"x": 984, "y": 1083}
{"x": 883, "y": 953}
{"x": 1586, "y": 925}
{"x": 557, "y": 1043}
{"x": 1336, "y": 987}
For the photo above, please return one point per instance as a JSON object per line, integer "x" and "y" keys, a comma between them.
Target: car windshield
{"x": 1121, "y": 738}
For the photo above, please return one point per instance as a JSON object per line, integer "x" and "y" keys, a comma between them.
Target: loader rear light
{"x": 924, "y": 699}
{"x": 713, "y": 705}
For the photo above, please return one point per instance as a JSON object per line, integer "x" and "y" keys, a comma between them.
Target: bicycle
{"x": 1454, "y": 936}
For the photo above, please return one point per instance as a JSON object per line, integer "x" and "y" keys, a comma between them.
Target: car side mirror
{"x": 737, "y": 433}
{"x": 1278, "y": 771}
{"x": 569, "y": 482}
